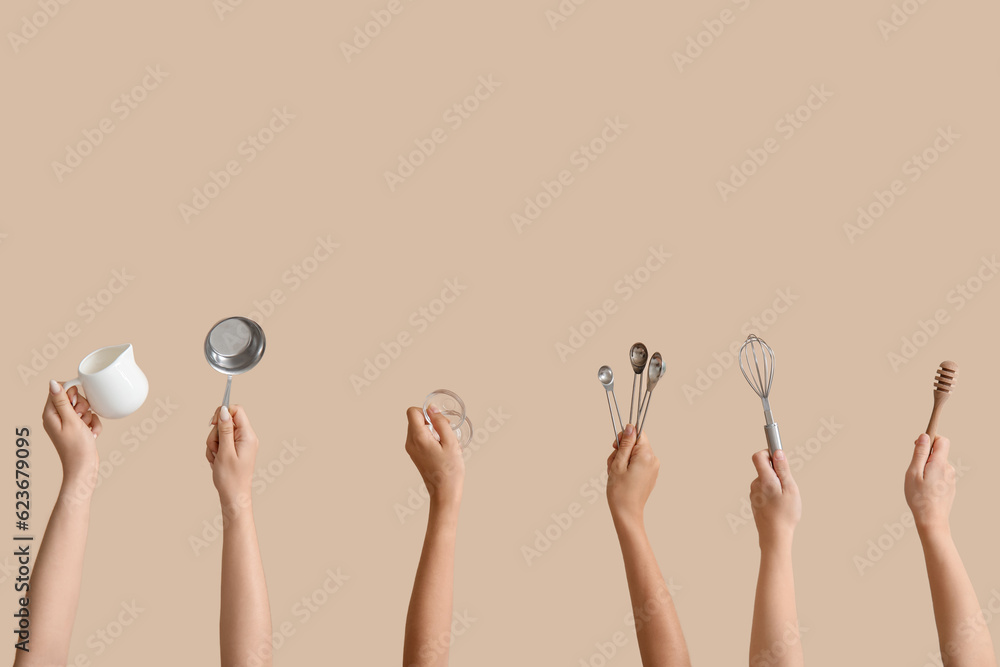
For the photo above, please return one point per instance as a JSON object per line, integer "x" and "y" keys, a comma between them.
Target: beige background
{"x": 333, "y": 506}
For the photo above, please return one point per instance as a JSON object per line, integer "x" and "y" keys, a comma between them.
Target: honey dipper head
{"x": 946, "y": 377}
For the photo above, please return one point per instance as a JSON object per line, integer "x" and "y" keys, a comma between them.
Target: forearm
{"x": 962, "y": 633}
{"x": 428, "y": 618}
{"x": 54, "y": 588}
{"x": 774, "y": 636}
{"x": 245, "y": 618}
{"x": 657, "y": 627}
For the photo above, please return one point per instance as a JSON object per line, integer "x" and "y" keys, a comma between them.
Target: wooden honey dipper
{"x": 944, "y": 384}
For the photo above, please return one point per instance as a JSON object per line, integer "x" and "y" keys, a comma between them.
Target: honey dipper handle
{"x": 932, "y": 425}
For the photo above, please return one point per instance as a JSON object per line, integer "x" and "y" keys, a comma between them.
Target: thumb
{"x": 940, "y": 449}
{"x": 60, "y": 401}
{"x": 226, "y": 442}
{"x": 624, "y": 453}
{"x": 781, "y": 468}
{"x": 442, "y": 426}
{"x": 921, "y": 451}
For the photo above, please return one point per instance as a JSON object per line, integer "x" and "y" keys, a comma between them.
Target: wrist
{"x": 777, "y": 542}
{"x": 445, "y": 503}
{"x": 934, "y": 532}
{"x": 236, "y": 506}
{"x": 77, "y": 486}
{"x": 628, "y": 522}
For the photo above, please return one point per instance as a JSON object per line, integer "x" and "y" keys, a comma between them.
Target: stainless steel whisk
{"x": 757, "y": 364}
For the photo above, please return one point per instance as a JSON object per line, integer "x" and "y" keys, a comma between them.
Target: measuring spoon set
{"x": 638, "y": 357}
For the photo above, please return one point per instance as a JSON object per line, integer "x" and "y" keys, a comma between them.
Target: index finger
{"x": 921, "y": 450}
{"x": 240, "y": 417}
{"x": 417, "y": 427}
{"x": 60, "y": 402}
{"x": 624, "y": 452}
{"x": 443, "y": 428}
{"x": 762, "y": 462}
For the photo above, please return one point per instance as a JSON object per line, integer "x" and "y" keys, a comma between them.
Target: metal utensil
{"x": 757, "y": 364}
{"x": 638, "y": 355}
{"x": 234, "y": 346}
{"x": 655, "y": 372}
{"x": 607, "y": 378}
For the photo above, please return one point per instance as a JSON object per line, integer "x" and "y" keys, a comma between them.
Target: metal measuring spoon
{"x": 638, "y": 355}
{"x": 607, "y": 378}
{"x": 234, "y": 346}
{"x": 656, "y": 371}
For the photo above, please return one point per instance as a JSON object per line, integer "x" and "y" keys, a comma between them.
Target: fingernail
{"x": 629, "y": 430}
{"x": 779, "y": 455}
{"x": 54, "y": 387}
{"x": 224, "y": 414}
{"x": 433, "y": 409}
{"x": 924, "y": 439}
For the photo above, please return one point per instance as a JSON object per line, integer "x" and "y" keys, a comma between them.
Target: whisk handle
{"x": 773, "y": 439}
